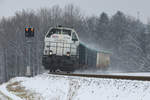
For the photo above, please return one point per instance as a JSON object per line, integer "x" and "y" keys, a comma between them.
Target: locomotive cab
{"x": 60, "y": 49}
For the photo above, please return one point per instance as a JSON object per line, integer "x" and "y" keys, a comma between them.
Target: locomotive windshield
{"x": 74, "y": 37}
{"x": 54, "y": 31}
{"x": 59, "y": 31}
{"x": 67, "y": 32}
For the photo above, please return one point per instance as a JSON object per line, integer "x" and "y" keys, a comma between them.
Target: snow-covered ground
{"x": 3, "y": 97}
{"x": 4, "y": 91}
{"x": 55, "y": 87}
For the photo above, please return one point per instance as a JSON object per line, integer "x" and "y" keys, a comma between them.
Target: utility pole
{"x": 5, "y": 66}
{"x": 29, "y": 34}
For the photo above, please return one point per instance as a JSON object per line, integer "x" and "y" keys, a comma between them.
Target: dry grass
{"x": 21, "y": 92}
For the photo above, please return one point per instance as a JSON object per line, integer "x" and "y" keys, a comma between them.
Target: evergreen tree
{"x": 102, "y": 28}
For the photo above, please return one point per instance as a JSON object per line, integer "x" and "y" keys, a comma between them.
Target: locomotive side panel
{"x": 82, "y": 54}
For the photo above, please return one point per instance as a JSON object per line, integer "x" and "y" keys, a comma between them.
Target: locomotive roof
{"x": 58, "y": 27}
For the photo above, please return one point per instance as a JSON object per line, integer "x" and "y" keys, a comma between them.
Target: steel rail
{"x": 124, "y": 77}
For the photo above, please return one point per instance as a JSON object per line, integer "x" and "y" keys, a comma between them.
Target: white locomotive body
{"x": 61, "y": 41}
{"x": 61, "y": 49}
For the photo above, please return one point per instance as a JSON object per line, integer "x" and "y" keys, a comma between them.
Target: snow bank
{"x": 48, "y": 86}
{"x": 55, "y": 87}
{"x": 7, "y": 93}
{"x": 4, "y": 90}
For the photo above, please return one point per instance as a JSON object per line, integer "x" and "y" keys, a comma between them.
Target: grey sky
{"x": 89, "y": 7}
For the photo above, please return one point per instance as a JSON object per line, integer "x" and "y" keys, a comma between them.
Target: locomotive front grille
{"x": 60, "y": 48}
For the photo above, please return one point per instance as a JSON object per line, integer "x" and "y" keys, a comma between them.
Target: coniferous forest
{"x": 125, "y": 36}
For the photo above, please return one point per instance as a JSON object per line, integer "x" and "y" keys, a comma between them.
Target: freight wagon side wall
{"x": 87, "y": 56}
{"x": 92, "y": 59}
{"x": 103, "y": 60}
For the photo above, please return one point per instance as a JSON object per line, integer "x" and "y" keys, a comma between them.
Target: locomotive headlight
{"x": 50, "y": 52}
{"x": 68, "y": 53}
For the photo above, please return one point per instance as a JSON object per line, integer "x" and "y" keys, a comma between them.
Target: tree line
{"x": 126, "y": 37}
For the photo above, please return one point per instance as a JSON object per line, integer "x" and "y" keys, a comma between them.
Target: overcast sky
{"x": 89, "y": 7}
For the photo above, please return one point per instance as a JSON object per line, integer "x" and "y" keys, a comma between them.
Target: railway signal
{"x": 29, "y": 32}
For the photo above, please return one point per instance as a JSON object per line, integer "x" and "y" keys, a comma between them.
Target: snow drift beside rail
{"x": 79, "y": 88}
{"x": 55, "y": 87}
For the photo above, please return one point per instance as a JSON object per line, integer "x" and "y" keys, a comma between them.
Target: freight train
{"x": 63, "y": 51}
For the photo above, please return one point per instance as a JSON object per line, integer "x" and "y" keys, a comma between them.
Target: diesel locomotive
{"x": 63, "y": 51}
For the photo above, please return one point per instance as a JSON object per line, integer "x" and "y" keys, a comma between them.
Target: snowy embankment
{"x": 55, "y": 87}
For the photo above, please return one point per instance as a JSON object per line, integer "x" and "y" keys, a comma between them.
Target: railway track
{"x": 125, "y": 77}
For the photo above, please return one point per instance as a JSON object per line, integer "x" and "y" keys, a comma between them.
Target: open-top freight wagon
{"x": 90, "y": 58}
{"x": 63, "y": 51}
